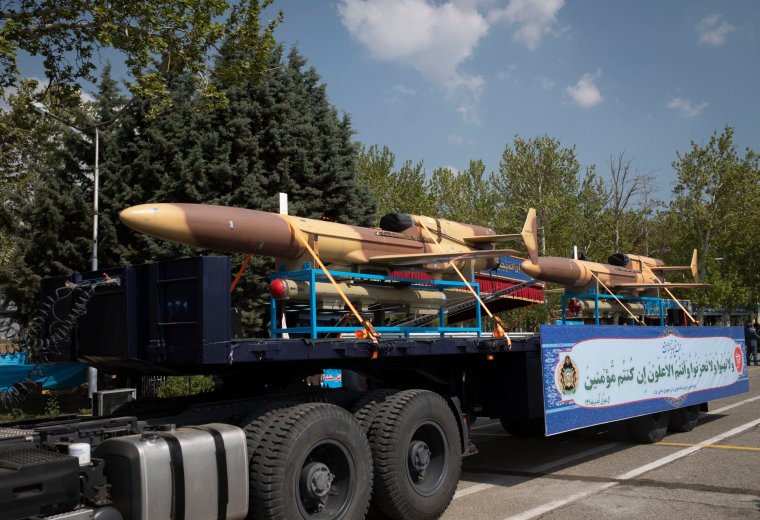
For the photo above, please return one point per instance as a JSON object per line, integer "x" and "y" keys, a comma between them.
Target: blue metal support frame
{"x": 316, "y": 275}
{"x": 596, "y": 295}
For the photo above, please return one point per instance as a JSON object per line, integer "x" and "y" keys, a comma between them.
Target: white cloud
{"x": 546, "y": 84}
{"x": 433, "y": 39}
{"x": 713, "y": 30}
{"x": 468, "y": 111}
{"x": 534, "y": 18}
{"x": 396, "y": 95}
{"x": 585, "y": 93}
{"x": 437, "y": 37}
{"x": 686, "y": 107}
{"x": 461, "y": 140}
{"x": 403, "y": 89}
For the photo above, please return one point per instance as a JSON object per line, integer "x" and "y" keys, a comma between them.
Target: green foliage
{"x": 540, "y": 173}
{"x": 24, "y": 150}
{"x": 46, "y": 217}
{"x": 157, "y": 39}
{"x": 466, "y": 196}
{"x": 52, "y": 406}
{"x": 16, "y": 414}
{"x": 177, "y": 386}
{"x": 396, "y": 191}
{"x": 279, "y": 134}
{"x": 715, "y": 210}
{"x": 248, "y": 120}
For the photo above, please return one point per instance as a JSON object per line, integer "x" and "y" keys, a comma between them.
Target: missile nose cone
{"x": 167, "y": 221}
{"x": 278, "y": 288}
{"x": 558, "y": 270}
{"x": 531, "y": 269}
{"x": 134, "y": 216}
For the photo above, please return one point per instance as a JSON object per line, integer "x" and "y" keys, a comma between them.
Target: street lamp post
{"x": 92, "y": 373}
{"x": 96, "y": 187}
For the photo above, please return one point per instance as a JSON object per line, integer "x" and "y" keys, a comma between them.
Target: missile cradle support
{"x": 379, "y": 295}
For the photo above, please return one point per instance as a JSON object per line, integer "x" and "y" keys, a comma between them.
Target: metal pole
{"x": 95, "y": 202}
{"x": 92, "y": 373}
{"x": 283, "y": 323}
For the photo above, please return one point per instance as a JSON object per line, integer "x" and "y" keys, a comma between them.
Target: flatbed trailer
{"x": 391, "y": 440}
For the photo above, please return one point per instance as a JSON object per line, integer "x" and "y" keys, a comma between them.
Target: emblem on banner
{"x": 568, "y": 376}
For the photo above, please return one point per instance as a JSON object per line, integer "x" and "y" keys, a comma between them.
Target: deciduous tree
{"x": 155, "y": 38}
{"x": 715, "y": 209}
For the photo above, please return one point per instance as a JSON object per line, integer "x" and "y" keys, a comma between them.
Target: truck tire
{"x": 417, "y": 452}
{"x": 258, "y": 420}
{"x": 650, "y": 428}
{"x": 313, "y": 462}
{"x": 684, "y": 419}
{"x": 366, "y": 407}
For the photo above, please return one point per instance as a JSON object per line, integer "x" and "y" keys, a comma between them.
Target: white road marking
{"x": 594, "y": 451}
{"x": 726, "y": 408}
{"x": 687, "y": 451}
{"x": 556, "y": 504}
{"x": 475, "y": 489}
{"x": 544, "y": 468}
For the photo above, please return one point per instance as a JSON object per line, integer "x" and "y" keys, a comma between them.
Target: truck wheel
{"x": 314, "y": 462}
{"x": 684, "y": 419}
{"x": 649, "y": 428}
{"x": 366, "y": 407}
{"x": 417, "y": 453}
{"x": 256, "y": 423}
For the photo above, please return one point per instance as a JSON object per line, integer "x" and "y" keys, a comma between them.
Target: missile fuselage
{"x": 269, "y": 234}
{"x": 624, "y": 272}
{"x": 577, "y": 274}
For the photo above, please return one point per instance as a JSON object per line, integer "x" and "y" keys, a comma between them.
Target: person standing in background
{"x": 750, "y": 339}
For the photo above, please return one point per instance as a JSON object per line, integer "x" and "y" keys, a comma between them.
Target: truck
{"x": 267, "y": 444}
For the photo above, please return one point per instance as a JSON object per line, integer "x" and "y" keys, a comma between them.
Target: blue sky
{"x": 446, "y": 82}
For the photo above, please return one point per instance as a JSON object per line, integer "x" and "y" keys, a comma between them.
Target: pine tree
{"x": 278, "y": 133}
{"x": 49, "y": 224}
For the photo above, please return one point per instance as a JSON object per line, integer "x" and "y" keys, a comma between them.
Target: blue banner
{"x": 15, "y": 368}
{"x": 599, "y": 374}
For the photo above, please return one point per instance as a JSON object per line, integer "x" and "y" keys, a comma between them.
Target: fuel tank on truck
{"x": 195, "y": 473}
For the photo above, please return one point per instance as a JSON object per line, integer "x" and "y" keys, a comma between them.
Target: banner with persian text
{"x": 598, "y": 374}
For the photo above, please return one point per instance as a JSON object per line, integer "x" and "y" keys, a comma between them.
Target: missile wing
{"x": 429, "y": 258}
{"x": 662, "y": 285}
{"x": 491, "y": 239}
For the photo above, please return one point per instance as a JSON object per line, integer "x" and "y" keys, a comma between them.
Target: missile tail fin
{"x": 693, "y": 266}
{"x": 529, "y": 233}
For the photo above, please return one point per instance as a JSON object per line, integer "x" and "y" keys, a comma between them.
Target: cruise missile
{"x": 409, "y": 242}
{"x": 623, "y": 273}
{"x": 361, "y": 295}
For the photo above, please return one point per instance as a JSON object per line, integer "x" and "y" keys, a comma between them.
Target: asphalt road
{"x": 712, "y": 472}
